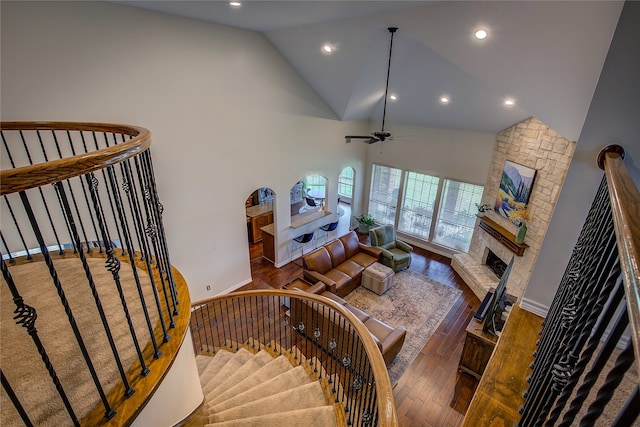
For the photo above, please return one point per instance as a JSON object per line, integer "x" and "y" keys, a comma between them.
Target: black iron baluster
{"x": 562, "y": 309}
{"x": 84, "y": 190}
{"x": 158, "y": 209}
{"x": 44, "y": 201}
{"x": 46, "y": 158}
{"x": 14, "y": 400}
{"x": 71, "y": 192}
{"x": 113, "y": 265}
{"x": 201, "y": 328}
{"x": 585, "y": 308}
{"x": 6, "y": 247}
{"x": 94, "y": 292}
{"x": 629, "y": 412}
{"x": 26, "y": 316}
{"x": 576, "y": 360}
{"x": 216, "y": 314}
{"x": 109, "y": 412}
{"x": 109, "y": 193}
{"x": 614, "y": 377}
{"x": 132, "y": 197}
{"x": 151, "y": 232}
{"x": 600, "y": 362}
{"x": 18, "y": 229}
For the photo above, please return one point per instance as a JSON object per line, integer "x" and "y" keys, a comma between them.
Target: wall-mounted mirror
{"x": 308, "y": 194}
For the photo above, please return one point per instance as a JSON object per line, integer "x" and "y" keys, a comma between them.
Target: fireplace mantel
{"x": 502, "y": 235}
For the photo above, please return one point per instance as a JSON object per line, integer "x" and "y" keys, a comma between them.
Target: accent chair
{"x": 395, "y": 253}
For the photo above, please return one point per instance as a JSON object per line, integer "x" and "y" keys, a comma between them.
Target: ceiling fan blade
{"x": 350, "y": 137}
{"x": 368, "y": 139}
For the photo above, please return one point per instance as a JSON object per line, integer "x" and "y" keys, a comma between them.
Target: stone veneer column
{"x": 533, "y": 144}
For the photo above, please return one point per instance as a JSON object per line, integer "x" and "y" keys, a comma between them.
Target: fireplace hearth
{"x": 495, "y": 264}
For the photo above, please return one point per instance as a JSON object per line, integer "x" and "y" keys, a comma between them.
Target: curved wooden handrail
{"x": 387, "y": 416}
{"x": 625, "y": 204}
{"x": 26, "y": 177}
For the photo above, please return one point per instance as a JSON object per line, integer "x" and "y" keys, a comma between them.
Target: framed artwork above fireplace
{"x": 515, "y": 188}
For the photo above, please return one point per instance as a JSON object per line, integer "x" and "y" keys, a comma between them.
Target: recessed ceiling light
{"x": 444, "y": 99}
{"x": 393, "y": 97}
{"x": 481, "y": 34}
{"x": 235, "y": 4}
{"x": 328, "y": 49}
{"x": 509, "y": 102}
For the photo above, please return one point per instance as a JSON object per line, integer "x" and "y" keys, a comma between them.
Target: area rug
{"x": 415, "y": 302}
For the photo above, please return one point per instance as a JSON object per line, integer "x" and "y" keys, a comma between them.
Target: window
{"x": 345, "y": 183}
{"x": 383, "y": 199}
{"x": 420, "y": 192}
{"x": 430, "y": 208}
{"x": 457, "y": 214}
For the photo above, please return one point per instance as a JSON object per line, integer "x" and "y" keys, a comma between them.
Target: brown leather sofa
{"x": 388, "y": 338}
{"x": 339, "y": 264}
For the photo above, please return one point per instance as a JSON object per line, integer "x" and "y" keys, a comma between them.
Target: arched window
{"x": 345, "y": 184}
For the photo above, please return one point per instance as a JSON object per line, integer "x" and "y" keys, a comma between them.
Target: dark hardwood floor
{"x": 431, "y": 392}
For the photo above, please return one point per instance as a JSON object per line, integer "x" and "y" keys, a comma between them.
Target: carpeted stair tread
{"x": 218, "y": 361}
{"x": 257, "y": 361}
{"x": 238, "y": 359}
{"x": 202, "y": 362}
{"x": 276, "y": 367}
{"x": 307, "y": 396}
{"x": 295, "y": 377}
{"x": 321, "y": 416}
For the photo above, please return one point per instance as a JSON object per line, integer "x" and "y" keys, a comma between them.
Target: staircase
{"x": 263, "y": 388}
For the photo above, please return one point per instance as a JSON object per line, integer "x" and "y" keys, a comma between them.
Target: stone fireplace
{"x": 533, "y": 144}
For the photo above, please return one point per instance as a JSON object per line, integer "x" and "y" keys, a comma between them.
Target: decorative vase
{"x": 522, "y": 231}
{"x": 363, "y": 228}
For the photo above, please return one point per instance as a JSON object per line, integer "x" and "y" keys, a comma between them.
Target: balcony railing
{"x": 310, "y": 330}
{"x": 92, "y": 307}
{"x": 585, "y": 367}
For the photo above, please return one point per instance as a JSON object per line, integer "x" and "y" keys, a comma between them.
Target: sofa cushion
{"x": 339, "y": 277}
{"x": 351, "y": 243}
{"x": 318, "y": 260}
{"x": 365, "y": 260}
{"x": 350, "y": 268}
{"x": 336, "y": 252}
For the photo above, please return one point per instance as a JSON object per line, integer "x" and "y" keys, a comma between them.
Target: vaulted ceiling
{"x": 545, "y": 55}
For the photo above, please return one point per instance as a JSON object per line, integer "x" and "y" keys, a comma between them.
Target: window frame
{"x": 401, "y": 197}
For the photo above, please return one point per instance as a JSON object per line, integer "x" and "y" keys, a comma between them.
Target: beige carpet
{"x": 18, "y": 356}
{"x": 415, "y": 302}
{"x": 261, "y": 390}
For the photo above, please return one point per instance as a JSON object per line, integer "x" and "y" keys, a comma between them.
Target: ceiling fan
{"x": 382, "y": 135}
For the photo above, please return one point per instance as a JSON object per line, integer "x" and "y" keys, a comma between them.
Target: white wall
{"x": 463, "y": 155}
{"x": 613, "y": 118}
{"x": 227, "y": 113}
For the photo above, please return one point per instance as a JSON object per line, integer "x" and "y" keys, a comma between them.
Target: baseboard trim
{"x": 534, "y": 307}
